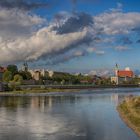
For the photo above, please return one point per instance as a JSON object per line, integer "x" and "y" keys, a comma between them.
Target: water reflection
{"x": 85, "y": 116}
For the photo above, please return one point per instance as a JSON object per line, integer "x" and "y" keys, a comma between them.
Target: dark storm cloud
{"x": 21, "y": 4}
{"x": 75, "y": 23}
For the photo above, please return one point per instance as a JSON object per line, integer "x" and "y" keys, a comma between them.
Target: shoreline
{"x": 37, "y": 91}
{"x": 127, "y": 118}
{"x": 76, "y": 86}
{"x": 128, "y": 122}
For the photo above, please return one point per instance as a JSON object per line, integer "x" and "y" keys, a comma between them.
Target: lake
{"x": 81, "y": 115}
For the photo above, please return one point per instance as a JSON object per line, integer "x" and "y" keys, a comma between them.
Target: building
{"x": 2, "y": 70}
{"x": 122, "y": 76}
{"x": 37, "y": 74}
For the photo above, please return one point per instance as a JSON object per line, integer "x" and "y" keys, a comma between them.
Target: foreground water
{"x": 85, "y": 115}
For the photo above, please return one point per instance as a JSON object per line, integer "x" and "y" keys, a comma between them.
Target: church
{"x": 122, "y": 76}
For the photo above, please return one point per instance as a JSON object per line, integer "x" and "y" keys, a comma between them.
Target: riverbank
{"x": 35, "y": 91}
{"x": 129, "y": 111}
{"x": 76, "y": 86}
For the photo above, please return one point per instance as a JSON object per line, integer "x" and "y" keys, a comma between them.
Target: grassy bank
{"x": 129, "y": 111}
{"x": 35, "y": 91}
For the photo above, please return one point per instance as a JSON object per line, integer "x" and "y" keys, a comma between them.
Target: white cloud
{"x": 101, "y": 72}
{"x": 41, "y": 43}
{"x": 100, "y": 52}
{"x": 113, "y": 23}
{"x": 23, "y": 38}
{"x": 122, "y": 48}
{"x": 95, "y": 50}
{"x": 15, "y": 23}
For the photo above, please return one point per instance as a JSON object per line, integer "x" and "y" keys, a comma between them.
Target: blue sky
{"x": 71, "y": 35}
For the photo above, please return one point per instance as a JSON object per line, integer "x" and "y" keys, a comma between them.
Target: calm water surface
{"x": 85, "y": 115}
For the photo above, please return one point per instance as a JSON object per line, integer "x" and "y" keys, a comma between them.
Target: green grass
{"x": 129, "y": 110}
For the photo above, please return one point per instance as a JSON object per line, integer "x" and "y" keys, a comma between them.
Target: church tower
{"x": 25, "y": 66}
{"x": 116, "y": 70}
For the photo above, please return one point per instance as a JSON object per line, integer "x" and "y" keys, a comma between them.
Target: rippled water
{"x": 85, "y": 115}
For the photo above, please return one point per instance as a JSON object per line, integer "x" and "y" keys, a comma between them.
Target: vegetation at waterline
{"x": 36, "y": 91}
{"x": 129, "y": 111}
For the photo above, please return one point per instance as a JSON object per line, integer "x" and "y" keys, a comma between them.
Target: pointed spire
{"x": 117, "y": 67}
{"x": 25, "y": 66}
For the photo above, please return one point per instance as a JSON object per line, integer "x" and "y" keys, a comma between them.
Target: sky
{"x": 70, "y": 35}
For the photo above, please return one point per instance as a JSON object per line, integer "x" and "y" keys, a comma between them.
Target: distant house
{"x": 37, "y": 74}
{"x": 122, "y": 76}
{"x": 2, "y": 70}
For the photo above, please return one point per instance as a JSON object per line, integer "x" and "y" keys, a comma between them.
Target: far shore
{"x": 38, "y": 89}
{"x": 34, "y": 91}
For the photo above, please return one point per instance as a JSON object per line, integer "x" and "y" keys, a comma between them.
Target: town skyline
{"x": 72, "y": 36}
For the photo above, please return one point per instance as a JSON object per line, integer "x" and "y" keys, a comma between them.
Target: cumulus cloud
{"x": 42, "y": 43}
{"x": 74, "y": 23}
{"x": 112, "y": 23}
{"x": 15, "y": 23}
{"x": 32, "y": 45}
{"x": 67, "y": 36}
{"x": 102, "y": 72}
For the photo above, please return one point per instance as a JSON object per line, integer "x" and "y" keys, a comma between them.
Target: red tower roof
{"x": 125, "y": 73}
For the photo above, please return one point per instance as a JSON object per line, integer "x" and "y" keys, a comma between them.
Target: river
{"x": 81, "y": 115}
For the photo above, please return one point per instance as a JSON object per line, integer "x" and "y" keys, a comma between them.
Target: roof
{"x": 125, "y": 73}
{"x": 2, "y": 69}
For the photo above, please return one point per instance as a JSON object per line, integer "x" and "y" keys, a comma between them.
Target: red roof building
{"x": 125, "y": 73}
{"x": 2, "y": 69}
{"x": 122, "y": 76}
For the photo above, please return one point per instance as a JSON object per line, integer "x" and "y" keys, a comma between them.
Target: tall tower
{"x": 116, "y": 69}
{"x": 116, "y": 73}
{"x": 25, "y": 66}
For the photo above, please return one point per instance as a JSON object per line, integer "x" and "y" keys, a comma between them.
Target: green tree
{"x": 26, "y": 75}
{"x": 7, "y": 76}
{"x": 18, "y": 79}
{"x": 13, "y": 69}
{"x": 16, "y": 82}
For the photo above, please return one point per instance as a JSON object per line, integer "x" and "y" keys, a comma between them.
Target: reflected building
{"x": 115, "y": 98}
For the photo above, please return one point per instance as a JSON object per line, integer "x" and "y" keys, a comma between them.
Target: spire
{"x": 117, "y": 67}
{"x": 25, "y": 66}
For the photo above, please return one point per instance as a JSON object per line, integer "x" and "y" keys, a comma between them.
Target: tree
{"x": 13, "y": 69}
{"x": 26, "y": 75}
{"x": 7, "y": 76}
{"x": 18, "y": 79}
{"x": 16, "y": 82}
